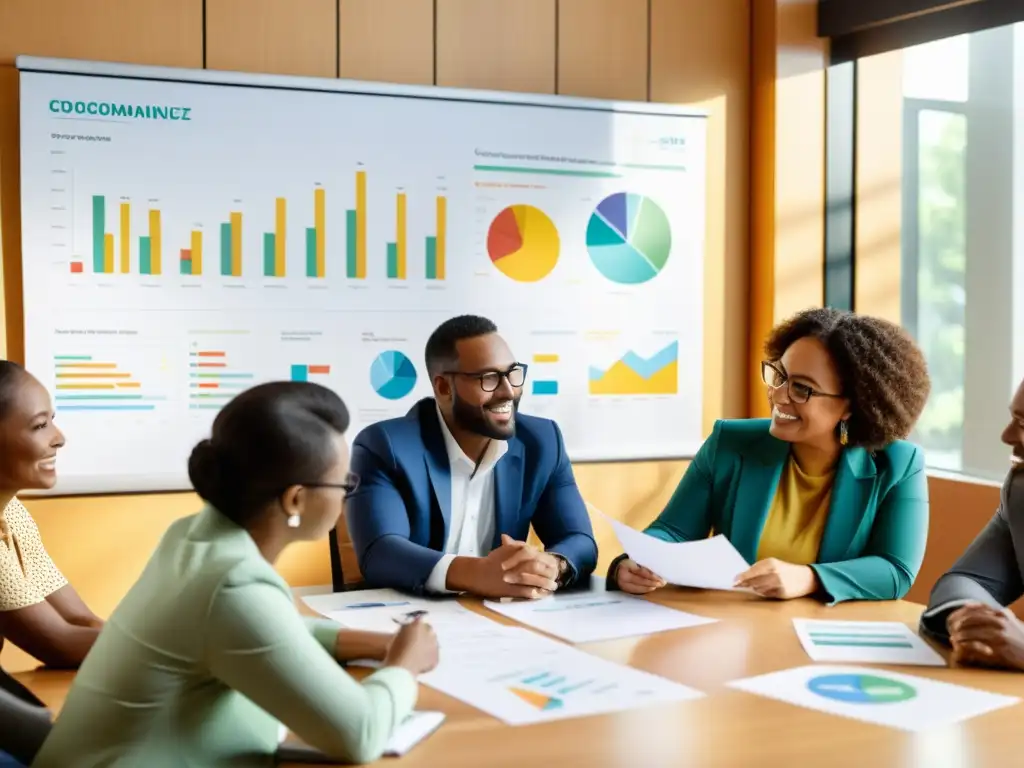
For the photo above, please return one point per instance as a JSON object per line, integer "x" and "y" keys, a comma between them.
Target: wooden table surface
{"x": 725, "y": 728}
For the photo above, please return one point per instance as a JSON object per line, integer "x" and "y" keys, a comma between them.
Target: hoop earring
{"x": 294, "y": 521}
{"x": 844, "y": 435}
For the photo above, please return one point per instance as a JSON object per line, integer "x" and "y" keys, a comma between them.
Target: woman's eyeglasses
{"x": 799, "y": 392}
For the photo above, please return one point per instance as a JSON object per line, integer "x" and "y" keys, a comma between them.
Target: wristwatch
{"x": 564, "y": 571}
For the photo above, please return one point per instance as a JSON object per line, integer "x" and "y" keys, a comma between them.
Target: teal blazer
{"x": 874, "y": 538}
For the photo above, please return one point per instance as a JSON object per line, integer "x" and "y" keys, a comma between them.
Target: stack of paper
{"x": 876, "y": 642}
{"x": 884, "y": 698}
{"x": 384, "y": 610}
{"x": 710, "y": 563}
{"x": 521, "y": 677}
{"x": 592, "y": 616}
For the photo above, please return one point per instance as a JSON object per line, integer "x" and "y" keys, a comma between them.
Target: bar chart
{"x": 437, "y": 244}
{"x": 214, "y": 377}
{"x": 316, "y": 236}
{"x": 544, "y": 380}
{"x": 306, "y": 372}
{"x": 113, "y": 225}
{"x": 397, "y": 250}
{"x": 355, "y": 232}
{"x": 97, "y": 383}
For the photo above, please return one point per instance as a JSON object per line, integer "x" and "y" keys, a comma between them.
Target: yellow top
{"x": 796, "y": 520}
{"x": 27, "y": 574}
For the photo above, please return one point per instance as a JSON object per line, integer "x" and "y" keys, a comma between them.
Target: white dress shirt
{"x": 471, "y": 528}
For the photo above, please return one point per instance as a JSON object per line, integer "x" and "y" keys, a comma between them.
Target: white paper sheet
{"x": 521, "y": 677}
{"x": 710, "y": 563}
{"x": 871, "y": 642}
{"x": 587, "y": 617}
{"x": 875, "y": 696}
{"x": 382, "y": 610}
{"x": 414, "y": 729}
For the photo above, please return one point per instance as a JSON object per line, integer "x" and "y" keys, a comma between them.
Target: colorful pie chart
{"x": 523, "y": 243}
{"x": 392, "y": 375}
{"x": 861, "y": 689}
{"x": 629, "y": 238}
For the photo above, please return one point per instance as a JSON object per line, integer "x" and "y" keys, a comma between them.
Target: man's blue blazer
{"x": 399, "y": 515}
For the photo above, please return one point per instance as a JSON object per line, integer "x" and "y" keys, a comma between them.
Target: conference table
{"x": 725, "y": 728}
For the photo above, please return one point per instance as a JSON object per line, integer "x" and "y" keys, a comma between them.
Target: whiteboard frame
{"x": 60, "y": 66}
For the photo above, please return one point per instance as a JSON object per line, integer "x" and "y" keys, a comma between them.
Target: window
{"x": 960, "y": 174}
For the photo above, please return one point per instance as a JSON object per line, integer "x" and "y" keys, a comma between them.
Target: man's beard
{"x": 472, "y": 419}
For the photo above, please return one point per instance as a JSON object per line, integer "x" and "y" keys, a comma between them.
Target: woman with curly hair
{"x": 825, "y": 498}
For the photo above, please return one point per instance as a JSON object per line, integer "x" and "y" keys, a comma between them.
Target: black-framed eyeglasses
{"x": 491, "y": 380}
{"x": 798, "y": 392}
{"x": 349, "y": 486}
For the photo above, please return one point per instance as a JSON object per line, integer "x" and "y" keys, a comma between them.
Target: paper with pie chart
{"x": 877, "y": 696}
{"x": 392, "y": 375}
{"x": 629, "y": 238}
{"x": 523, "y": 243}
{"x": 521, "y": 678}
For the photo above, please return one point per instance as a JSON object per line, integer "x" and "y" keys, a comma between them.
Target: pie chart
{"x": 861, "y": 689}
{"x": 629, "y": 238}
{"x": 523, "y": 243}
{"x": 392, "y": 375}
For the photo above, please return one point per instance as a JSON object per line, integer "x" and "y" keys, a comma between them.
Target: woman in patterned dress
{"x": 39, "y": 611}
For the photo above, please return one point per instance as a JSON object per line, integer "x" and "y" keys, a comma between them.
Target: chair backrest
{"x": 344, "y": 563}
{"x": 24, "y": 722}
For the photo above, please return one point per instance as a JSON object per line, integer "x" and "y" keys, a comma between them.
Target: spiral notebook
{"x": 414, "y": 729}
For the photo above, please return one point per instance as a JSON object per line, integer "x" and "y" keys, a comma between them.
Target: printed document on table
{"x": 410, "y": 732}
{"x": 383, "y": 610}
{"x": 710, "y": 563}
{"x": 870, "y": 642}
{"x": 592, "y": 616}
{"x": 520, "y": 678}
{"x": 886, "y": 698}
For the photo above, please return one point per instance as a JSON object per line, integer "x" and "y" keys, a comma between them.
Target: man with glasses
{"x": 448, "y": 493}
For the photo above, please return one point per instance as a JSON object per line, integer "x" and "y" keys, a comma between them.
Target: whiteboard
{"x": 187, "y": 234}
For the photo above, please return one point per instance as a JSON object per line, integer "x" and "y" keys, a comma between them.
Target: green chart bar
{"x": 145, "y": 257}
{"x": 392, "y": 261}
{"x": 350, "y": 244}
{"x": 431, "y": 258}
{"x": 99, "y": 224}
{"x": 268, "y": 254}
{"x": 311, "y": 252}
{"x": 225, "y": 249}
{"x": 186, "y": 267}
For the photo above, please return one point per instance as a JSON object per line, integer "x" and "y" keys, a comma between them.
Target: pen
{"x": 372, "y": 605}
{"x": 409, "y": 617}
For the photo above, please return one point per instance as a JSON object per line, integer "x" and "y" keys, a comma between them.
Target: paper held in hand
{"x": 710, "y": 563}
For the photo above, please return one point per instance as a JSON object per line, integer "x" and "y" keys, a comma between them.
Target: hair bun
{"x": 204, "y": 471}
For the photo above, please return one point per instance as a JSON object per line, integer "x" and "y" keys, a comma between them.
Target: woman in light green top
{"x": 207, "y": 654}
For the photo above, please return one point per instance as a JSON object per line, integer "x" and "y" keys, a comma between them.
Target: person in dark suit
{"x": 448, "y": 493}
{"x": 967, "y": 608}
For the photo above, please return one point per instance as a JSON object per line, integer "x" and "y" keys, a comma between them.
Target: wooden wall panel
{"x": 603, "y": 49}
{"x": 281, "y": 37}
{"x": 10, "y": 208}
{"x": 507, "y": 45}
{"x": 700, "y": 55}
{"x": 164, "y": 32}
{"x": 879, "y": 185}
{"x": 788, "y": 167}
{"x": 389, "y": 40}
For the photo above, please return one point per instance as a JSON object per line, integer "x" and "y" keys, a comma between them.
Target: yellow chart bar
{"x": 108, "y": 253}
{"x": 320, "y": 224}
{"x": 236, "y": 243}
{"x": 279, "y": 236}
{"x": 361, "y": 225}
{"x": 197, "y": 252}
{"x": 126, "y": 232}
{"x": 154, "y": 242}
{"x": 442, "y": 235}
{"x": 400, "y": 234}
{"x": 545, "y": 358}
